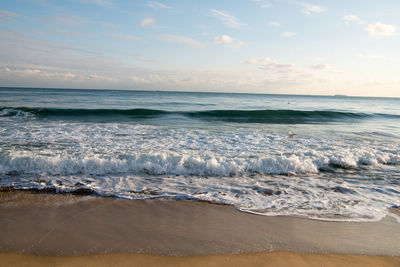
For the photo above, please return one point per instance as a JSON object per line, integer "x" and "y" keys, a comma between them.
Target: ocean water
{"x": 322, "y": 157}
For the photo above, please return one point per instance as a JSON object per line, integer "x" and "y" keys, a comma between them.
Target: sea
{"x": 331, "y": 158}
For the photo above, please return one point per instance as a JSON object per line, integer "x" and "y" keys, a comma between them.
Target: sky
{"x": 322, "y": 47}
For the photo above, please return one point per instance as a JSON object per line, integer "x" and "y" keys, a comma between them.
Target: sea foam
{"x": 257, "y": 171}
{"x": 341, "y": 163}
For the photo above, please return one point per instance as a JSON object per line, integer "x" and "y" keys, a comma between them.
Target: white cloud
{"x": 55, "y": 77}
{"x": 178, "y": 39}
{"x": 352, "y": 19}
{"x": 380, "y": 29}
{"x": 140, "y": 80}
{"x": 288, "y": 34}
{"x": 269, "y": 64}
{"x": 148, "y": 21}
{"x": 157, "y": 5}
{"x": 37, "y": 73}
{"x": 95, "y": 76}
{"x": 319, "y": 66}
{"x": 5, "y": 13}
{"x": 311, "y": 9}
{"x": 223, "y": 39}
{"x": 283, "y": 74}
{"x": 226, "y": 18}
{"x": 215, "y": 80}
{"x": 275, "y": 24}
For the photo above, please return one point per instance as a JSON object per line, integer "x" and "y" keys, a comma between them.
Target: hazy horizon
{"x": 253, "y": 46}
{"x": 204, "y": 92}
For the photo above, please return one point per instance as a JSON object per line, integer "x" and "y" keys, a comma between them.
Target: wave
{"x": 56, "y": 112}
{"x": 277, "y": 116}
{"x": 171, "y": 163}
{"x": 239, "y": 116}
{"x": 237, "y": 182}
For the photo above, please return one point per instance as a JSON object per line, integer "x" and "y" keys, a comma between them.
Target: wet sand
{"x": 279, "y": 258}
{"x": 155, "y": 232}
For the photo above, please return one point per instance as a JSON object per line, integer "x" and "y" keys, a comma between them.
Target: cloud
{"x": 380, "y": 29}
{"x": 24, "y": 52}
{"x": 319, "y": 66}
{"x": 37, "y": 73}
{"x": 226, "y": 18}
{"x": 49, "y": 76}
{"x": 27, "y": 61}
{"x": 95, "y": 76}
{"x": 225, "y": 39}
{"x": 275, "y": 24}
{"x": 269, "y": 64}
{"x": 325, "y": 68}
{"x": 138, "y": 79}
{"x": 215, "y": 80}
{"x": 288, "y": 34}
{"x": 157, "y": 5}
{"x": 148, "y": 21}
{"x": 311, "y": 9}
{"x": 7, "y": 14}
{"x": 178, "y": 39}
{"x": 352, "y": 19}
{"x": 279, "y": 74}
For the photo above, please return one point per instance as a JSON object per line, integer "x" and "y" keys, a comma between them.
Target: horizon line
{"x": 205, "y": 92}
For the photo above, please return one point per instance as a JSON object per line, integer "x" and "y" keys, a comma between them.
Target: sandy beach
{"x": 199, "y": 133}
{"x": 64, "y": 229}
{"x": 254, "y": 259}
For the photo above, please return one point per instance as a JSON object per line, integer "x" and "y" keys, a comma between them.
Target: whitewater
{"x": 327, "y": 158}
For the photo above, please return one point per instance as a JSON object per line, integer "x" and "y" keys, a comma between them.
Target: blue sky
{"x": 271, "y": 46}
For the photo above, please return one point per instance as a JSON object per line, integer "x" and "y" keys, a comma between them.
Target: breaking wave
{"x": 168, "y": 163}
{"x": 240, "y": 116}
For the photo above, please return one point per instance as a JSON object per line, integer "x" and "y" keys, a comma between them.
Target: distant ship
{"x": 339, "y": 95}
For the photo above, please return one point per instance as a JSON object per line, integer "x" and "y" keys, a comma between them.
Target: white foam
{"x": 15, "y": 113}
{"x": 260, "y": 172}
{"x": 174, "y": 163}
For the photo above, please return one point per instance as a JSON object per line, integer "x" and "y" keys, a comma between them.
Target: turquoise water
{"x": 323, "y": 157}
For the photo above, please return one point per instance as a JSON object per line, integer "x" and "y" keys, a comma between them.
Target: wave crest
{"x": 240, "y": 116}
{"x": 168, "y": 163}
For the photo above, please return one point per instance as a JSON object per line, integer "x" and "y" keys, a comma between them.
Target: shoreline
{"x": 276, "y": 258}
{"x": 393, "y": 211}
{"x": 70, "y": 225}
{"x": 46, "y": 229}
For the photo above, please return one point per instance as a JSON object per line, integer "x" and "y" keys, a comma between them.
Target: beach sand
{"x": 63, "y": 229}
{"x": 278, "y": 258}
